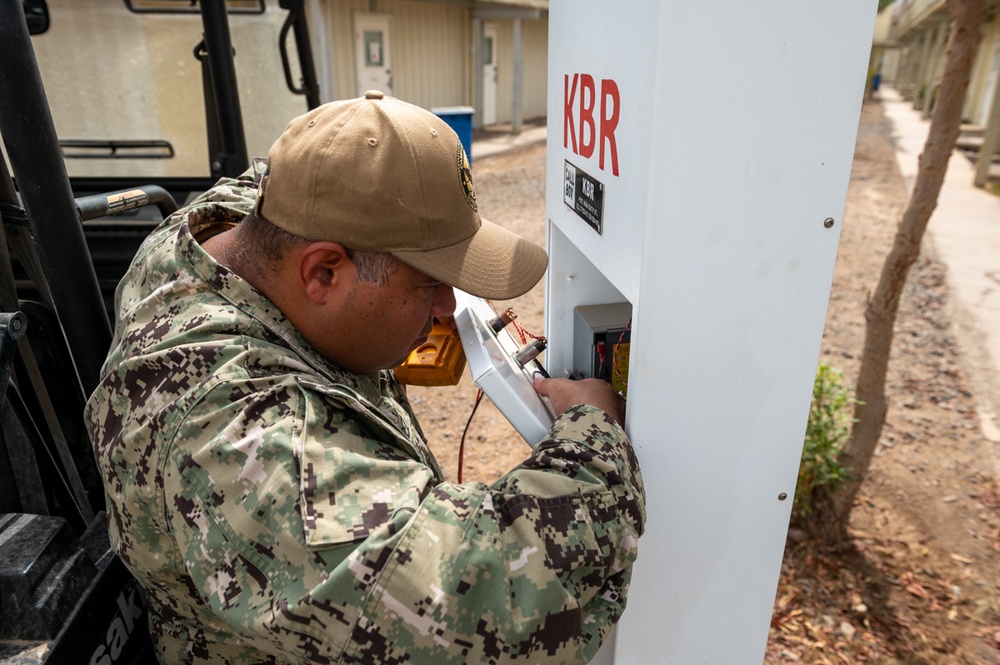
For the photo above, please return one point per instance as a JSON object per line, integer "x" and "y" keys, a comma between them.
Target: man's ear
{"x": 323, "y": 269}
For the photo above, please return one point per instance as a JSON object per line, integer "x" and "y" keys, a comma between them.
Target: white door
{"x": 373, "y": 52}
{"x": 490, "y": 41}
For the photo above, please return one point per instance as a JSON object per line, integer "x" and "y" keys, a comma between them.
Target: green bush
{"x": 830, "y": 419}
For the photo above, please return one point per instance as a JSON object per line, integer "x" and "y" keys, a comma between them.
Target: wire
{"x": 522, "y": 332}
{"x": 614, "y": 356}
{"x": 461, "y": 445}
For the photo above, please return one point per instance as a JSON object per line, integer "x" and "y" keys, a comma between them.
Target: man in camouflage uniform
{"x": 266, "y": 479}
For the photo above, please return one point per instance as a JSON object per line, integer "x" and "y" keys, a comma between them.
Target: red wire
{"x": 522, "y": 332}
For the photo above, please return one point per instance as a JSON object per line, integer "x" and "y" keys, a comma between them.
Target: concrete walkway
{"x": 965, "y": 232}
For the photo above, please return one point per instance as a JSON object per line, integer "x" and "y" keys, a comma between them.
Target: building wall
{"x": 536, "y": 67}
{"x": 884, "y": 59}
{"x": 111, "y": 74}
{"x": 916, "y": 22}
{"x": 339, "y": 15}
{"x": 505, "y": 71}
{"x": 430, "y": 46}
{"x": 922, "y": 49}
{"x": 980, "y": 97}
{"x": 432, "y": 54}
{"x": 535, "y": 34}
{"x": 890, "y": 64}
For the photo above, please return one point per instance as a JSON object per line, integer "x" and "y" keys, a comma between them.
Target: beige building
{"x": 492, "y": 56}
{"x": 917, "y": 39}
{"x": 114, "y": 75}
{"x": 884, "y": 61}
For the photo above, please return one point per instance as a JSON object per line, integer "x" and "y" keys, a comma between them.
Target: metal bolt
{"x": 15, "y": 324}
{"x": 828, "y": 222}
{"x": 782, "y": 496}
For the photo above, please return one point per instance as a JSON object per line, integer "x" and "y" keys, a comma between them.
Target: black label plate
{"x": 585, "y": 195}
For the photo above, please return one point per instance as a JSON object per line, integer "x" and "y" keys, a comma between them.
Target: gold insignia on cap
{"x": 465, "y": 173}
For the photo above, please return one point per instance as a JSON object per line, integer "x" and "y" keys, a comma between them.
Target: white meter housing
{"x": 492, "y": 356}
{"x": 698, "y": 162}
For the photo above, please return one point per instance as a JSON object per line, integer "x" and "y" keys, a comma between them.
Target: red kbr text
{"x": 581, "y": 131}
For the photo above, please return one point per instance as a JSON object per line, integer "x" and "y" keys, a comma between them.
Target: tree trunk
{"x": 832, "y": 509}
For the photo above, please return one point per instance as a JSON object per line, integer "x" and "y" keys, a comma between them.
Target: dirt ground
{"x": 920, "y": 580}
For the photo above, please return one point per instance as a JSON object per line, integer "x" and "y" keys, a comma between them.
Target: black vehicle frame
{"x": 64, "y": 595}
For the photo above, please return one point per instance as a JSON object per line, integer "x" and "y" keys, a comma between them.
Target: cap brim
{"x": 494, "y": 263}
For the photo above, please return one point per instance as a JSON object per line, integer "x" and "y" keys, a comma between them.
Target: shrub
{"x": 830, "y": 419}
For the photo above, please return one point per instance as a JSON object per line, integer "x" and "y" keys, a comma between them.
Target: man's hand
{"x": 564, "y": 393}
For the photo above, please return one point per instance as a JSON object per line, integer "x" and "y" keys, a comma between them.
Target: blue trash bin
{"x": 458, "y": 118}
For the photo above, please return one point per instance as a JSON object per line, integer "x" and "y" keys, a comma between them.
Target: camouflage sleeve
{"x": 312, "y": 539}
{"x": 532, "y": 569}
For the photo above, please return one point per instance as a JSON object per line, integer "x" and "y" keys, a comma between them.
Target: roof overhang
{"x": 531, "y": 4}
{"x": 502, "y": 9}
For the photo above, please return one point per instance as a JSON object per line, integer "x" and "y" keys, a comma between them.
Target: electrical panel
{"x": 601, "y": 342}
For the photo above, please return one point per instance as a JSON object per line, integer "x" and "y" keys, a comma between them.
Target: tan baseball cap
{"x": 378, "y": 174}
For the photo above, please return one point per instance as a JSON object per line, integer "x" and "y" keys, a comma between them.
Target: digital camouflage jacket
{"x": 280, "y": 510}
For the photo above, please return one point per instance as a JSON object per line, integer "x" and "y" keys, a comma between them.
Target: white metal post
{"x": 712, "y": 146}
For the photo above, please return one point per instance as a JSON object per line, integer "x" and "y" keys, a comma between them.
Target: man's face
{"x": 386, "y": 322}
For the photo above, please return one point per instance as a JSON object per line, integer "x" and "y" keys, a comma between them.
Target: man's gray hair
{"x": 262, "y": 244}
{"x": 373, "y": 267}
